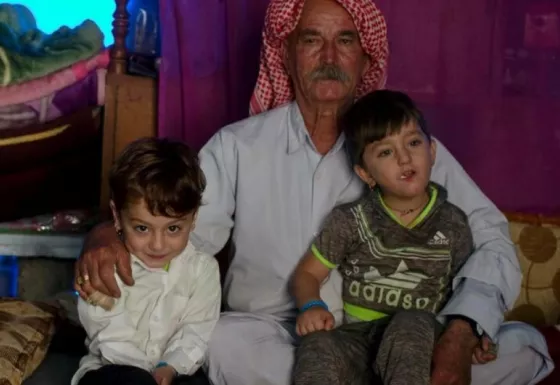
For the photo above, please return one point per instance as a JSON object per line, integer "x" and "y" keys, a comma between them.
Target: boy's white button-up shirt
{"x": 167, "y": 316}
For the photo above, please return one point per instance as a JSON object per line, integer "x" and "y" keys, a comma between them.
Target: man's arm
{"x": 489, "y": 282}
{"x": 218, "y": 160}
{"x": 96, "y": 266}
{"x": 187, "y": 348}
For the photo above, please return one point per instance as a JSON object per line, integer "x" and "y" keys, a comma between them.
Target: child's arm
{"x": 307, "y": 279}
{"x": 326, "y": 252}
{"x": 187, "y": 348}
{"x": 110, "y": 334}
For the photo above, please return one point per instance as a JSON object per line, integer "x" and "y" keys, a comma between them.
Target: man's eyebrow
{"x": 309, "y": 32}
{"x": 348, "y": 33}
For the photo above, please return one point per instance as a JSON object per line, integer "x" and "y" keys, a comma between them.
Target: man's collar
{"x": 298, "y": 134}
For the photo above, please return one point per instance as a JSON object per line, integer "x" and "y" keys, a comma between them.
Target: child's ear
{"x": 433, "y": 150}
{"x": 115, "y": 213}
{"x": 193, "y": 223}
{"x": 364, "y": 176}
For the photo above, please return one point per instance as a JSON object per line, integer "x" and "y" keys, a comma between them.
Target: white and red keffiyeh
{"x": 273, "y": 86}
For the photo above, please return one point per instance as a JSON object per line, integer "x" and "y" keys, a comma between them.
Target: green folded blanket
{"x": 27, "y": 53}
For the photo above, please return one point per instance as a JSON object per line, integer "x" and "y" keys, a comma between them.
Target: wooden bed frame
{"x": 130, "y": 102}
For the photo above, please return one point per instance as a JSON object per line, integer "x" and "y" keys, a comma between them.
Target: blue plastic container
{"x": 144, "y": 36}
{"x": 9, "y": 273}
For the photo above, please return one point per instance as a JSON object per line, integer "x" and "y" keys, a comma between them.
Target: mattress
{"x": 49, "y": 84}
{"x": 52, "y": 166}
{"x": 65, "y": 246}
{"x": 86, "y": 92}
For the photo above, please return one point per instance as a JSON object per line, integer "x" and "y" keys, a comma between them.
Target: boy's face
{"x": 155, "y": 240}
{"x": 400, "y": 164}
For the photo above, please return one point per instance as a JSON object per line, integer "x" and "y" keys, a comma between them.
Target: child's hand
{"x": 164, "y": 375}
{"x": 484, "y": 352}
{"x": 313, "y": 320}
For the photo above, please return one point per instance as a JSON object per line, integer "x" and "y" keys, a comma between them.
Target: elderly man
{"x": 274, "y": 177}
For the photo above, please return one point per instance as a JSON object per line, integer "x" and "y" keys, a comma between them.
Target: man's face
{"x": 324, "y": 56}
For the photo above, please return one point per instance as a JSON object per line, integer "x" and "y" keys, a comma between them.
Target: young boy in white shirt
{"x": 157, "y": 331}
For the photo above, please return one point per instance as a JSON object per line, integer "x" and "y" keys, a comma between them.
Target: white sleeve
{"x": 186, "y": 349}
{"x": 489, "y": 282}
{"x": 110, "y": 334}
{"x": 218, "y": 160}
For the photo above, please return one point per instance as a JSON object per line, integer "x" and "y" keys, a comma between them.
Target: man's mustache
{"x": 329, "y": 72}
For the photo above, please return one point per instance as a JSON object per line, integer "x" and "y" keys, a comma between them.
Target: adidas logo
{"x": 402, "y": 278}
{"x": 438, "y": 239}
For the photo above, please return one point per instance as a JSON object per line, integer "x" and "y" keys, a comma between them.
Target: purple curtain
{"x": 210, "y": 51}
{"x": 486, "y": 72}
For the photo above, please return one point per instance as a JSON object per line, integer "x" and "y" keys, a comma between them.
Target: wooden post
{"x": 120, "y": 30}
{"x": 130, "y": 104}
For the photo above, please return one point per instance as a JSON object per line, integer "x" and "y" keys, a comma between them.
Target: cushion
{"x": 537, "y": 240}
{"x": 26, "y": 329}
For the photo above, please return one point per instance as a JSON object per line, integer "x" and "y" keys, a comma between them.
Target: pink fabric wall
{"x": 210, "y": 51}
{"x": 491, "y": 97}
{"x": 486, "y": 72}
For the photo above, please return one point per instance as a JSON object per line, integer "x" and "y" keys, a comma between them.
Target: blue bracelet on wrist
{"x": 161, "y": 364}
{"x": 314, "y": 303}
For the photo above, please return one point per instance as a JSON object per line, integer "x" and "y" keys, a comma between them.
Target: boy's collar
{"x": 137, "y": 261}
{"x": 434, "y": 196}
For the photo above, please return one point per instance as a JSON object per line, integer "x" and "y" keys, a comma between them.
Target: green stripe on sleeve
{"x": 320, "y": 257}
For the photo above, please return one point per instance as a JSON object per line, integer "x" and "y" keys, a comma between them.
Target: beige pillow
{"x": 537, "y": 240}
{"x": 26, "y": 329}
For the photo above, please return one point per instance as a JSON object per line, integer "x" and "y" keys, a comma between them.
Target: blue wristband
{"x": 314, "y": 303}
{"x": 161, "y": 364}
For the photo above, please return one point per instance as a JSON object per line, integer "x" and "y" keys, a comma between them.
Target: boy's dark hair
{"x": 376, "y": 116}
{"x": 166, "y": 174}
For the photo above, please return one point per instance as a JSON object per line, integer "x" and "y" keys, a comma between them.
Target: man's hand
{"x": 484, "y": 352}
{"x": 95, "y": 270}
{"x": 313, "y": 320}
{"x": 453, "y": 354}
{"x": 164, "y": 375}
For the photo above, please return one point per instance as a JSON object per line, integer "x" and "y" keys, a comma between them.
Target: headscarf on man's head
{"x": 273, "y": 86}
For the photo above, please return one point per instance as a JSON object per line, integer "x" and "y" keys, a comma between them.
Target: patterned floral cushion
{"x": 538, "y": 247}
{"x": 26, "y": 329}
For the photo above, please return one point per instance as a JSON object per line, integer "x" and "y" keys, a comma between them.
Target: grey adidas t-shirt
{"x": 388, "y": 267}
